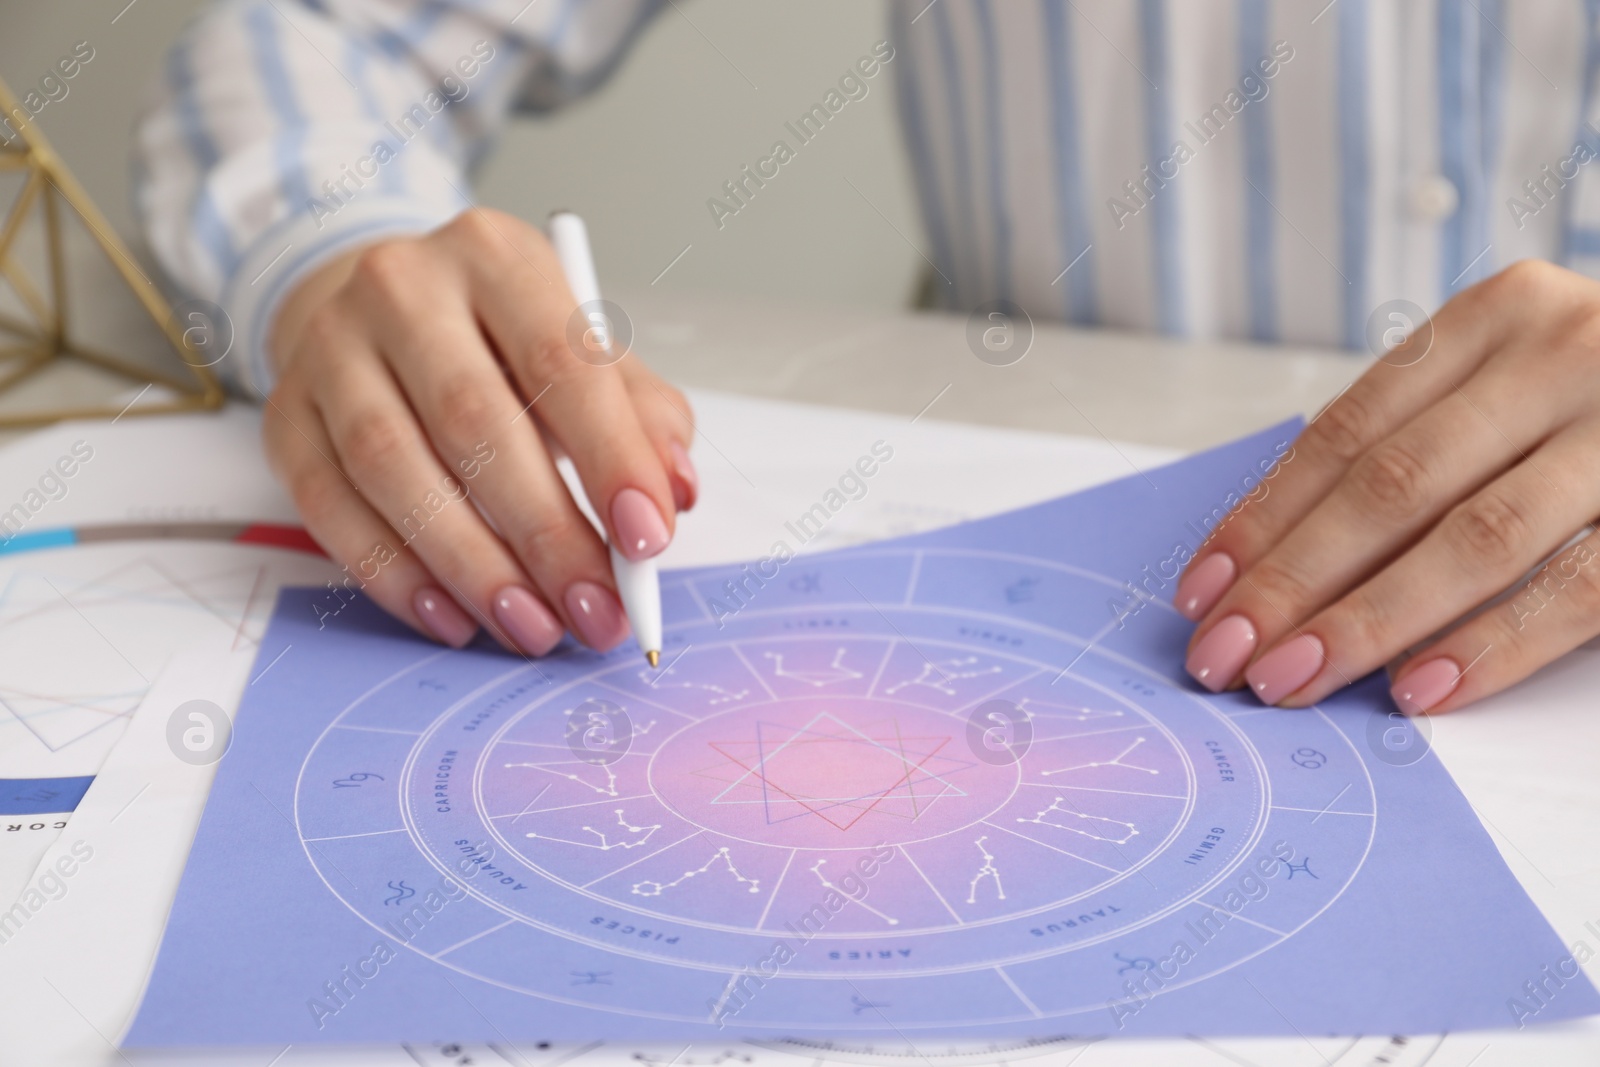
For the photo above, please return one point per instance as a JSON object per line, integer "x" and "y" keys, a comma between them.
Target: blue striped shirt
{"x": 1205, "y": 168}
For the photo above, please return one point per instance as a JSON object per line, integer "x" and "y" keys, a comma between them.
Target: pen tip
{"x": 654, "y": 657}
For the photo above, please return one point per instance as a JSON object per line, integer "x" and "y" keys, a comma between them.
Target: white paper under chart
{"x": 72, "y": 966}
{"x": 83, "y": 633}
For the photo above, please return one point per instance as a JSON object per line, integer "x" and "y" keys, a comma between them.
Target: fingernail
{"x": 442, "y": 617}
{"x": 641, "y": 533}
{"x": 1204, "y": 585}
{"x": 1216, "y": 660}
{"x": 529, "y": 623}
{"x": 1285, "y": 669}
{"x": 1427, "y": 686}
{"x": 597, "y": 614}
{"x": 685, "y": 481}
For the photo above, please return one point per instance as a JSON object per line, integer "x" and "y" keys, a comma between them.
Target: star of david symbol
{"x": 834, "y": 771}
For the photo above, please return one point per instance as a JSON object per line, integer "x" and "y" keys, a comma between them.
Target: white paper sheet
{"x": 78, "y": 952}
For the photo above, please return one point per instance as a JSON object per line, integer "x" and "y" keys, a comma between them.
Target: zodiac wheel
{"x": 919, "y": 778}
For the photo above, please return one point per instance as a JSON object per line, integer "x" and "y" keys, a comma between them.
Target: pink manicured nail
{"x": 641, "y": 533}
{"x": 1285, "y": 669}
{"x": 441, "y": 616}
{"x": 527, "y": 621}
{"x": 688, "y": 492}
{"x": 597, "y": 614}
{"x": 1216, "y": 660}
{"x": 1426, "y": 686}
{"x": 1204, "y": 585}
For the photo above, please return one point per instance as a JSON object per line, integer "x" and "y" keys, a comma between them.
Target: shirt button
{"x": 1434, "y": 198}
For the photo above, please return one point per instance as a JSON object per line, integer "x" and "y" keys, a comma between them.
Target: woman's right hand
{"x": 425, "y": 388}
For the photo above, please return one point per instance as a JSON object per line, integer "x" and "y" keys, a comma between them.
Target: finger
{"x": 381, "y": 446}
{"x": 668, "y": 422}
{"x": 477, "y": 427}
{"x": 1482, "y": 546}
{"x": 338, "y": 519}
{"x": 588, "y": 409}
{"x": 1383, "y": 503}
{"x": 1389, "y": 394}
{"x": 1555, "y": 612}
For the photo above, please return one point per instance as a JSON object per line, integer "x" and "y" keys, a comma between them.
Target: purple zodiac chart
{"x": 990, "y": 831}
{"x": 942, "y": 785}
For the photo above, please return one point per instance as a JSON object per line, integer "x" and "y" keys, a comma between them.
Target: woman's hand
{"x": 425, "y": 388}
{"x": 1439, "y": 479}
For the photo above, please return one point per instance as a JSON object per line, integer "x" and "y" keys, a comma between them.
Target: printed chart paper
{"x": 953, "y": 785}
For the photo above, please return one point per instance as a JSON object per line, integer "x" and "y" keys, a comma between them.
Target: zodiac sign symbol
{"x": 861, "y": 1004}
{"x": 1091, "y": 826}
{"x": 809, "y": 582}
{"x": 401, "y": 892}
{"x": 429, "y": 683}
{"x": 1020, "y": 590}
{"x": 932, "y": 677}
{"x": 1309, "y": 758}
{"x": 606, "y": 845}
{"x": 1303, "y": 867}
{"x": 590, "y": 978}
{"x": 655, "y": 889}
{"x": 988, "y": 870}
{"x": 1138, "y": 963}
{"x": 354, "y": 781}
{"x": 1114, "y": 762}
{"x": 834, "y": 672}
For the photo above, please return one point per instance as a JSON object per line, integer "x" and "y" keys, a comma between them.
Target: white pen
{"x": 639, "y": 584}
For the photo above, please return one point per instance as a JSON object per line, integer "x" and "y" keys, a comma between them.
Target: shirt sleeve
{"x": 283, "y": 132}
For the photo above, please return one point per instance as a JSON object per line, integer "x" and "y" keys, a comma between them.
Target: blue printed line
{"x": 33, "y": 542}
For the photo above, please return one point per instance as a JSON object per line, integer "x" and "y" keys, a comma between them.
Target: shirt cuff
{"x": 294, "y": 248}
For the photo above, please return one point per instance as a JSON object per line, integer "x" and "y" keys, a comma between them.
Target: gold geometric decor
{"x": 45, "y": 330}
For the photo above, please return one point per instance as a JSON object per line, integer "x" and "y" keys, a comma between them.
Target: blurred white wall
{"x": 707, "y": 90}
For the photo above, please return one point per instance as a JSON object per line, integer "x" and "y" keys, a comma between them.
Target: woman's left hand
{"x": 1444, "y": 474}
